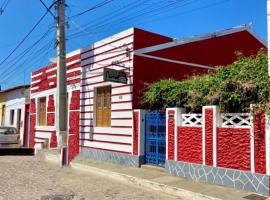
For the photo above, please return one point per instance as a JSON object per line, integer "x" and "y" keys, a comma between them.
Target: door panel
{"x": 103, "y": 107}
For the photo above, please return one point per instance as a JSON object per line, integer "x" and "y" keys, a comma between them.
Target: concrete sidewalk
{"x": 157, "y": 179}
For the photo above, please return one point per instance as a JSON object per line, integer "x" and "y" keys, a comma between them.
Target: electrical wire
{"x": 25, "y": 37}
{"x": 92, "y": 8}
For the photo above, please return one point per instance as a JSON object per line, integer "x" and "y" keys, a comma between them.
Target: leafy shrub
{"x": 233, "y": 88}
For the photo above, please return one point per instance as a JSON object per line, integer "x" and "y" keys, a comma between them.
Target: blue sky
{"x": 174, "y": 18}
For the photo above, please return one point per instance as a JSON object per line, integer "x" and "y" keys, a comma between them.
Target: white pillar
{"x": 268, "y": 33}
{"x": 267, "y": 143}
{"x": 252, "y": 157}
{"x": 141, "y": 134}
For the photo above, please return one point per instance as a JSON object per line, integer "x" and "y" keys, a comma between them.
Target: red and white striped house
{"x": 103, "y": 119}
{"x": 108, "y": 123}
{"x": 42, "y": 104}
{"x": 106, "y": 81}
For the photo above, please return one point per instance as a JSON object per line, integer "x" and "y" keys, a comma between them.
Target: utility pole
{"x": 268, "y": 33}
{"x": 61, "y": 91}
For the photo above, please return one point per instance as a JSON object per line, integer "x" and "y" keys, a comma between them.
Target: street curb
{"x": 137, "y": 181}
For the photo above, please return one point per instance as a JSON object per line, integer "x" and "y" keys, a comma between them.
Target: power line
{"x": 48, "y": 9}
{"x": 25, "y": 37}
{"x": 3, "y": 7}
{"x": 92, "y": 8}
{"x": 22, "y": 55}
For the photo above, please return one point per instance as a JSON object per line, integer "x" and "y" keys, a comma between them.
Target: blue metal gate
{"x": 155, "y": 138}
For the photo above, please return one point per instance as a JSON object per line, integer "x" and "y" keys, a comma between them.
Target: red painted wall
{"x": 144, "y": 39}
{"x": 156, "y": 70}
{"x": 74, "y": 120}
{"x": 171, "y": 133}
{"x": 135, "y": 132}
{"x": 45, "y": 76}
{"x": 51, "y": 107}
{"x": 233, "y": 148}
{"x": 74, "y": 138}
{"x": 259, "y": 143}
{"x": 75, "y": 100}
{"x": 209, "y": 137}
{"x": 53, "y": 141}
{"x": 190, "y": 144}
{"x": 217, "y": 51}
{"x": 32, "y": 131}
{"x": 212, "y": 52}
{"x": 50, "y": 119}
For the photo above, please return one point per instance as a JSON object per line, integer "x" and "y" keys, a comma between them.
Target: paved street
{"x": 24, "y": 177}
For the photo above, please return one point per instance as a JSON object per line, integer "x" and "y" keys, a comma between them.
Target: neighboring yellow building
{"x": 3, "y": 98}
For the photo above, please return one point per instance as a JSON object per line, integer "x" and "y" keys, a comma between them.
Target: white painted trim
{"x": 141, "y": 132}
{"x": 45, "y": 128}
{"x": 176, "y": 61}
{"x": 252, "y": 157}
{"x": 177, "y": 122}
{"x": 203, "y": 136}
{"x": 215, "y": 125}
{"x": 267, "y": 143}
{"x": 167, "y": 132}
{"x": 53, "y": 91}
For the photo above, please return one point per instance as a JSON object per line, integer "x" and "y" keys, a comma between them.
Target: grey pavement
{"x": 31, "y": 177}
{"x": 146, "y": 178}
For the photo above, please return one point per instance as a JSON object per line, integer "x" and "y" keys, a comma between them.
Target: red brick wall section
{"x": 233, "y": 148}
{"x": 32, "y": 131}
{"x": 135, "y": 133}
{"x": 33, "y": 106}
{"x": 50, "y": 119}
{"x": 75, "y": 100}
{"x": 171, "y": 125}
{"x": 259, "y": 143}
{"x": 53, "y": 142}
{"x": 73, "y": 140}
{"x": 51, "y": 107}
{"x": 209, "y": 137}
{"x": 190, "y": 144}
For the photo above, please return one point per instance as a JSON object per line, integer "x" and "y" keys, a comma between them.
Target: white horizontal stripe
{"x": 51, "y": 83}
{"x": 106, "y": 55}
{"x": 35, "y": 88}
{"x": 43, "y": 134}
{"x": 103, "y": 50}
{"x": 89, "y": 101}
{"x": 125, "y": 89}
{"x": 107, "y": 138}
{"x": 87, "y": 108}
{"x": 120, "y": 106}
{"x": 108, "y": 40}
{"x": 115, "y": 147}
{"x": 87, "y": 115}
{"x": 122, "y": 114}
{"x": 36, "y": 81}
{"x": 121, "y": 122}
{"x": 88, "y": 94}
{"x": 121, "y": 98}
{"x": 98, "y": 61}
{"x": 124, "y": 131}
{"x": 38, "y": 74}
{"x": 51, "y": 76}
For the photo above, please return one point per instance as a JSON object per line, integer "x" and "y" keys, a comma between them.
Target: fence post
{"x": 138, "y": 132}
{"x": 252, "y": 157}
{"x": 211, "y": 121}
{"x": 173, "y": 120}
